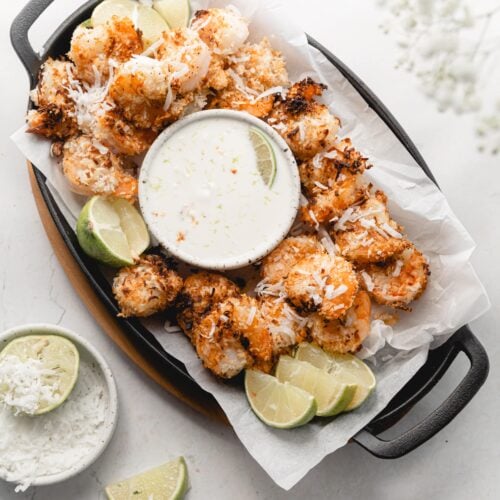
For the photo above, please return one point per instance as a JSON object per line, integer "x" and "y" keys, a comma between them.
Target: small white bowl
{"x": 89, "y": 355}
{"x": 276, "y": 234}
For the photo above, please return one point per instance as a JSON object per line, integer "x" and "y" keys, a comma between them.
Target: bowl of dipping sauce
{"x": 219, "y": 189}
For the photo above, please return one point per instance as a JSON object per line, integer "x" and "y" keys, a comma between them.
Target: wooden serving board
{"x": 108, "y": 323}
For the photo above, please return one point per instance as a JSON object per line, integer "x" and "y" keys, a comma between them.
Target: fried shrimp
{"x": 93, "y": 50}
{"x": 307, "y": 125}
{"x": 286, "y": 326}
{"x": 333, "y": 182}
{"x": 146, "y": 288}
{"x": 187, "y": 57}
{"x": 323, "y": 284}
{"x": 152, "y": 91}
{"x": 202, "y": 292}
{"x": 114, "y": 131}
{"x": 90, "y": 168}
{"x": 366, "y": 233}
{"x": 232, "y": 337}
{"x": 253, "y": 70}
{"x": 398, "y": 281}
{"x": 223, "y": 30}
{"x": 277, "y": 265}
{"x": 345, "y": 334}
{"x": 54, "y": 116}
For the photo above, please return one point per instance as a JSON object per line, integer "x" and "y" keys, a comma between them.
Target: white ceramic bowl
{"x": 89, "y": 355}
{"x": 276, "y": 233}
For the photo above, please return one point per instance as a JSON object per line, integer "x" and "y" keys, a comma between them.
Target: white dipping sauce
{"x": 204, "y": 199}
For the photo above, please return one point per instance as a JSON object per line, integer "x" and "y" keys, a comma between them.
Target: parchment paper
{"x": 454, "y": 296}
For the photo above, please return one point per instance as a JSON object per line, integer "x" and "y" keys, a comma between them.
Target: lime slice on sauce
{"x": 266, "y": 158}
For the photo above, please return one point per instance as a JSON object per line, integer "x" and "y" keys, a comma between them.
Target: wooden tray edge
{"x": 105, "y": 320}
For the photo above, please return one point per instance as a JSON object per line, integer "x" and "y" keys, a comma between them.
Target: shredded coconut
{"x": 169, "y": 328}
{"x": 55, "y": 442}
{"x": 368, "y": 281}
{"x": 25, "y": 384}
{"x": 397, "y": 269}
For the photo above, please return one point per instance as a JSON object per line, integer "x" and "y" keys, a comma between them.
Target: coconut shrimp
{"x": 399, "y": 281}
{"x": 322, "y": 283}
{"x": 94, "y": 50}
{"x": 366, "y": 233}
{"x": 333, "y": 182}
{"x": 223, "y": 30}
{"x": 231, "y": 338}
{"x": 90, "y": 168}
{"x": 253, "y": 70}
{"x": 345, "y": 334}
{"x": 277, "y": 265}
{"x": 307, "y": 125}
{"x": 286, "y": 326}
{"x": 146, "y": 288}
{"x": 54, "y": 116}
{"x": 202, "y": 292}
{"x": 188, "y": 59}
{"x": 114, "y": 131}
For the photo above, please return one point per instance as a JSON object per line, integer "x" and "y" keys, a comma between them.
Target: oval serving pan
{"x": 425, "y": 379}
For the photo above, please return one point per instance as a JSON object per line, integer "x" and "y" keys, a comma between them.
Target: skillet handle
{"x": 19, "y": 36}
{"x": 439, "y": 359}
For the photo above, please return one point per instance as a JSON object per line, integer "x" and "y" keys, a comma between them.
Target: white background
{"x": 460, "y": 463}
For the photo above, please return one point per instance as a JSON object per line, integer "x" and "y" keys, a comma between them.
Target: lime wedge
{"x": 331, "y": 395}
{"x": 112, "y": 231}
{"x": 278, "y": 405}
{"x": 175, "y": 12}
{"x": 346, "y": 368}
{"x": 145, "y": 18}
{"x": 59, "y": 358}
{"x": 266, "y": 159}
{"x": 166, "y": 482}
{"x": 87, "y": 24}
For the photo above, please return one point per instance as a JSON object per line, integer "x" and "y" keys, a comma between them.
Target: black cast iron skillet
{"x": 426, "y": 378}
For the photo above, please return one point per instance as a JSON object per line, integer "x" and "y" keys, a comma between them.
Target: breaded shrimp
{"x": 231, "y": 338}
{"x": 345, "y": 334}
{"x": 366, "y": 233}
{"x": 146, "y": 288}
{"x": 277, "y": 265}
{"x": 187, "y": 57}
{"x": 54, "y": 116}
{"x": 139, "y": 88}
{"x": 202, "y": 292}
{"x": 223, "y": 30}
{"x": 90, "y": 168}
{"x": 399, "y": 281}
{"x": 333, "y": 182}
{"x": 94, "y": 49}
{"x": 114, "y": 131}
{"x": 286, "y": 326}
{"x": 322, "y": 283}
{"x": 306, "y": 125}
{"x": 253, "y": 70}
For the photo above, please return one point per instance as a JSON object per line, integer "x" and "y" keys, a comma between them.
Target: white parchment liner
{"x": 454, "y": 296}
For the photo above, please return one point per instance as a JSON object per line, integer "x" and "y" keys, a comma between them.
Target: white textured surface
{"x": 460, "y": 463}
